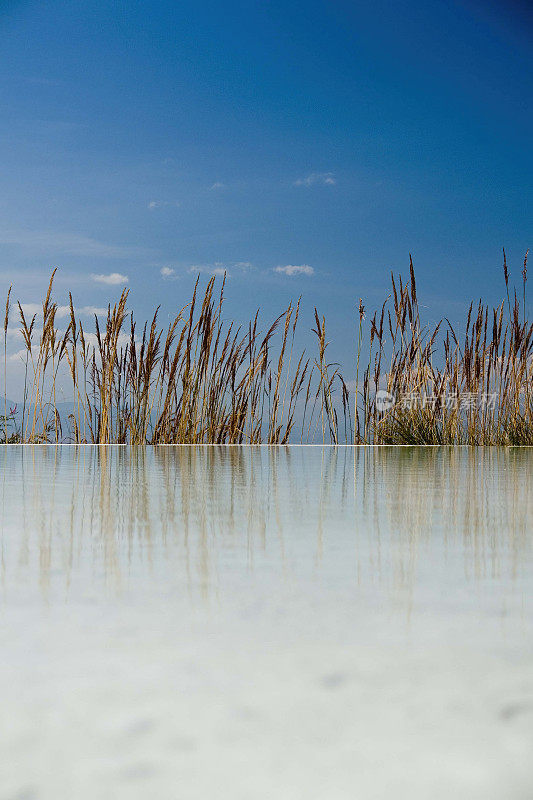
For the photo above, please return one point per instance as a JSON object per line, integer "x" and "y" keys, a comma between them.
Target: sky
{"x": 303, "y": 148}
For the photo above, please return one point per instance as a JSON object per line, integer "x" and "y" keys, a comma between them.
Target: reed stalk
{"x": 6, "y": 323}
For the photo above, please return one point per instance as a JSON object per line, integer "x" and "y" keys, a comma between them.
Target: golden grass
{"x": 474, "y": 388}
{"x": 201, "y": 380}
{"x": 197, "y": 381}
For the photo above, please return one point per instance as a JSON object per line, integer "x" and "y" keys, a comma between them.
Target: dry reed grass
{"x": 197, "y": 381}
{"x": 201, "y": 380}
{"x": 449, "y": 388}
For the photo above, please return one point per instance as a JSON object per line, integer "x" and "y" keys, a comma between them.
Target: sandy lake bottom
{"x": 251, "y": 623}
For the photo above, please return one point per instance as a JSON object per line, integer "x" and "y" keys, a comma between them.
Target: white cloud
{"x": 31, "y": 309}
{"x": 15, "y": 334}
{"x": 216, "y": 185}
{"x": 215, "y": 269}
{"x": 324, "y": 178}
{"x": 62, "y": 242}
{"x": 161, "y": 203}
{"x": 113, "y": 279}
{"x": 244, "y": 265}
{"x": 20, "y": 355}
{"x": 91, "y": 311}
{"x": 123, "y": 338}
{"x": 90, "y": 338}
{"x": 167, "y": 272}
{"x": 295, "y": 269}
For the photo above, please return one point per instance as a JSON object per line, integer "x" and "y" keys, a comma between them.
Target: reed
{"x": 199, "y": 380}
{"x": 6, "y": 324}
{"x": 203, "y": 380}
{"x": 449, "y": 388}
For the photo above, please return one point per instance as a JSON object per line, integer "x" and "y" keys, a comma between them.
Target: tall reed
{"x": 6, "y": 324}
{"x": 437, "y": 386}
{"x": 202, "y": 380}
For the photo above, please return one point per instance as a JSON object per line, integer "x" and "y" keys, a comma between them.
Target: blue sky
{"x": 307, "y": 148}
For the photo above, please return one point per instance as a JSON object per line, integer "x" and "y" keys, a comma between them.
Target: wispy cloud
{"x": 20, "y": 355}
{"x": 64, "y": 242}
{"x": 324, "y": 178}
{"x": 295, "y": 269}
{"x": 162, "y": 203}
{"x": 113, "y": 279}
{"x": 41, "y": 80}
{"x": 92, "y": 311}
{"x": 90, "y": 338}
{"x": 217, "y": 185}
{"x": 31, "y": 309}
{"x": 210, "y": 269}
{"x": 227, "y": 268}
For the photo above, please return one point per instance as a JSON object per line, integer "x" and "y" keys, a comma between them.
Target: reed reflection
{"x": 193, "y": 518}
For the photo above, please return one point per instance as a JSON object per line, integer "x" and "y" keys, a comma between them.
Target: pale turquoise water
{"x": 266, "y": 622}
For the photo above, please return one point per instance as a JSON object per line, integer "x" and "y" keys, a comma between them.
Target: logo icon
{"x": 384, "y": 400}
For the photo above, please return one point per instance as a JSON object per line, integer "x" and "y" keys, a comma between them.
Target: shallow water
{"x": 226, "y": 622}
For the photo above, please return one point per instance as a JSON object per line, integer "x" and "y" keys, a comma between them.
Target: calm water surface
{"x": 285, "y": 623}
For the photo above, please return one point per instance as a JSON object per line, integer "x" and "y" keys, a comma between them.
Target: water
{"x": 182, "y": 622}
